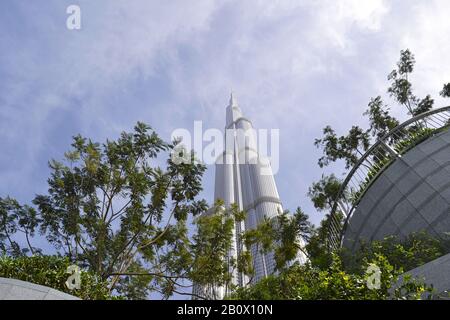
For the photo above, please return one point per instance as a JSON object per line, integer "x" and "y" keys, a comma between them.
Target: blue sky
{"x": 293, "y": 65}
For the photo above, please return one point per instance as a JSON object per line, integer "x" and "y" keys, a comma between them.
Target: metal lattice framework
{"x": 376, "y": 159}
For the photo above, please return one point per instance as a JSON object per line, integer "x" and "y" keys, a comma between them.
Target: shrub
{"x": 50, "y": 271}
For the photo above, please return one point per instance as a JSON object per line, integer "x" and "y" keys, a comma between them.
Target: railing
{"x": 376, "y": 159}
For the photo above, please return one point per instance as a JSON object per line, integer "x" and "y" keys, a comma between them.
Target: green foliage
{"x": 347, "y": 148}
{"x": 445, "y": 91}
{"x": 376, "y": 169}
{"x": 305, "y": 282}
{"x": 400, "y": 88}
{"x": 423, "y": 106}
{"x": 291, "y": 233}
{"x": 344, "y": 275}
{"x": 381, "y": 122}
{"x": 110, "y": 210}
{"x": 15, "y": 218}
{"x": 414, "y": 251}
{"x": 115, "y": 215}
{"x": 212, "y": 264}
{"x": 324, "y": 193}
{"x": 318, "y": 247}
{"x": 212, "y": 243}
{"x": 137, "y": 283}
{"x": 416, "y": 135}
{"x": 50, "y": 271}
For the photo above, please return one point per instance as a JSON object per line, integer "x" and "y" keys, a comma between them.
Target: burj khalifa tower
{"x": 245, "y": 178}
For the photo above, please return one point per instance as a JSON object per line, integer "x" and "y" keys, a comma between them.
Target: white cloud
{"x": 337, "y": 18}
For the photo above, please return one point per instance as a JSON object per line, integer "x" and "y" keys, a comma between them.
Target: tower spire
{"x": 233, "y": 101}
{"x": 233, "y": 110}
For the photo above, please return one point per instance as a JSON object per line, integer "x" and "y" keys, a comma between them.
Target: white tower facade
{"x": 245, "y": 178}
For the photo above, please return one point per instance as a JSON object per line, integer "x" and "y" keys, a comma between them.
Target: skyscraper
{"x": 244, "y": 177}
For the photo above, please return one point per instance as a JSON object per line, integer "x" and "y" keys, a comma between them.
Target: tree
{"x": 401, "y": 87}
{"x": 320, "y": 252}
{"x": 445, "y": 91}
{"x": 325, "y": 192}
{"x": 423, "y": 106}
{"x": 213, "y": 266}
{"x": 290, "y": 234}
{"x": 348, "y": 148}
{"x": 381, "y": 122}
{"x": 14, "y": 219}
{"x": 110, "y": 210}
{"x": 352, "y": 146}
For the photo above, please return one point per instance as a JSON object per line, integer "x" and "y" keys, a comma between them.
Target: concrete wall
{"x": 12, "y": 289}
{"x": 412, "y": 194}
{"x": 435, "y": 273}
